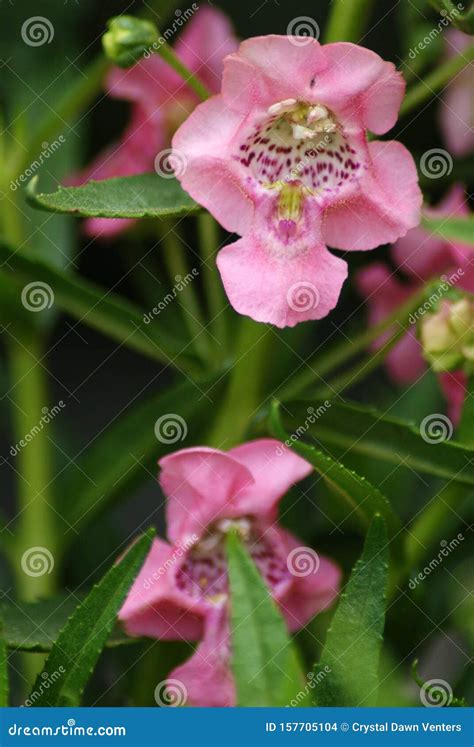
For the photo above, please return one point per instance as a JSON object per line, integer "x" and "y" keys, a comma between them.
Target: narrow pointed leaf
{"x": 98, "y": 308}
{"x": 140, "y": 196}
{"x": 363, "y": 499}
{"x": 78, "y": 647}
{"x": 348, "y": 673}
{"x": 264, "y": 661}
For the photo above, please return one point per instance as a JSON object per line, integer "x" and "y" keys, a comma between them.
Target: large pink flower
{"x": 457, "y": 108}
{"x": 281, "y": 157}
{"x": 421, "y": 256}
{"x": 182, "y": 590}
{"x": 160, "y": 102}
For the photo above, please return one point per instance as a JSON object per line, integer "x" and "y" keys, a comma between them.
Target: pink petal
{"x": 201, "y": 485}
{"x": 274, "y": 467}
{"x": 155, "y": 607}
{"x": 312, "y": 593}
{"x": 386, "y": 207}
{"x": 206, "y": 675}
{"x": 422, "y": 254}
{"x": 454, "y": 387}
{"x": 457, "y": 104}
{"x": 360, "y": 87}
{"x": 210, "y": 177}
{"x": 278, "y": 280}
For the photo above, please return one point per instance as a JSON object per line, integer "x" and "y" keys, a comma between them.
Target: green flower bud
{"x": 127, "y": 39}
{"x": 447, "y": 335}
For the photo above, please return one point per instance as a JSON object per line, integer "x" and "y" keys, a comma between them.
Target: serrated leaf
{"x": 126, "y": 452}
{"x": 363, "y": 498}
{"x": 139, "y": 196}
{"x": 348, "y": 673}
{"x": 363, "y": 430}
{"x": 79, "y": 644}
{"x": 99, "y": 309}
{"x": 35, "y": 626}
{"x": 3, "y": 669}
{"x": 452, "y": 229}
{"x": 264, "y": 661}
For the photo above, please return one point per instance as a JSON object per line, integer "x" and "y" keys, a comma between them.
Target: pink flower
{"x": 281, "y": 157}
{"x": 182, "y": 590}
{"x": 421, "y": 256}
{"x": 457, "y": 110}
{"x": 160, "y": 102}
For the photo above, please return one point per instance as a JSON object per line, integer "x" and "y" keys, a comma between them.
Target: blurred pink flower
{"x": 420, "y": 256}
{"x": 160, "y": 102}
{"x": 182, "y": 590}
{"x": 457, "y": 107}
{"x": 281, "y": 157}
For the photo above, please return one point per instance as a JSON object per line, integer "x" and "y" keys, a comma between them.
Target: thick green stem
{"x": 434, "y": 82}
{"x": 347, "y": 20}
{"x": 245, "y": 392}
{"x": 183, "y": 285}
{"x": 208, "y": 232}
{"x": 35, "y": 571}
{"x": 168, "y": 54}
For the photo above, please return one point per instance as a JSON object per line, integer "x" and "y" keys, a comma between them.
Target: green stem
{"x": 245, "y": 388}
{"x": 168, "y": 54}
{"x": 434, "y": 82}
{"x": 347, "y": 20}
{"x": 208, "y": 232}
{"x": 465, "y": 432}
{"x": 175, "y": 260}
{"x": 320, "y": 365}
{"x": 36, "y": 520}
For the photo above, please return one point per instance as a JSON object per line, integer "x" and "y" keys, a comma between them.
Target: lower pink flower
{"x": 182, "y": 589}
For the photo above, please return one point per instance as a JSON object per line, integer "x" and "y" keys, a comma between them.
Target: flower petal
{"x": 274, "y": 467}
{"x": 206, "y": 675}
{"x": 386, "y": 207}
{"x": 201, "y": 485}
{"x": 155, "y": 607}
{"x": 454, "y": 387}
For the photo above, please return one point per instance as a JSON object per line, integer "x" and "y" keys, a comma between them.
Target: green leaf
{"x": 452, "y": 229}
{"x": 3, "y": 670}
{"x": 142, "y": 196}
{"x": 363, "y": 498}
{"x": 264, "y": 662}
{"x": 465, "y": 432}
{"x": 126, "y": 452}
{"x": 364, "y": 430}
{"x": 351, "y": 653}
{"x": 98, "y": 308}
{"x": 79, "y": 644}
{"x": 35, "y": 626}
